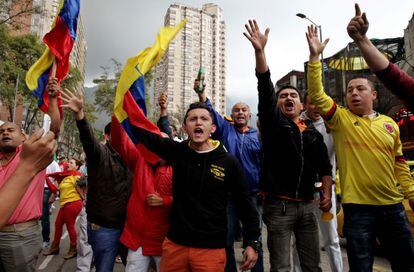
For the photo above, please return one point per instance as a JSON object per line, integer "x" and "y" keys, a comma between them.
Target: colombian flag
{"x": 59, "y": 41}
{"x": 129, "y": 106}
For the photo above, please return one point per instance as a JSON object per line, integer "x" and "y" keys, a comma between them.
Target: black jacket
{"x": 292, "y": 161}
{"x": 109, "y": 181}
{"x": 202, "y": 183}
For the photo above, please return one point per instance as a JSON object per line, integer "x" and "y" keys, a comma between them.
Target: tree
{"x": 105, "y": 94}
{"x": 17, "y": 54}
{"x": 69, "y": 140}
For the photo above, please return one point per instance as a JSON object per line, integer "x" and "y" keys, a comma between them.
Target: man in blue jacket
{"x": 242, "y": 141}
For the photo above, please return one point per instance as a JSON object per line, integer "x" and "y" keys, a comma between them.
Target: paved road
{"x": 56, "y": 263}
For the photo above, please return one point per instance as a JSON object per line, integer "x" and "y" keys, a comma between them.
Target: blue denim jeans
{"x": 284, "y": 218}
{"x": 105, "y": 243}
{"x": 364, "y": 223}
{"x": 232, "y": 221}
{"x": 46, "y": 216}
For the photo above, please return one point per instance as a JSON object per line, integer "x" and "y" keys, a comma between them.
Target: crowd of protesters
{"x": 183, "y": 208}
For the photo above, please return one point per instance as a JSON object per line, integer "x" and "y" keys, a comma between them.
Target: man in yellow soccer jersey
{"x": 371, "y": 164}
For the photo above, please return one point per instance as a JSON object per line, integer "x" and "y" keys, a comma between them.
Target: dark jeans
{"x": 105, "y": 243}
{"x": 364, "y": 223}
{"x": 46, "y": 216}
{"x": 283, "y": 218}
{"x": 232, "y": 221}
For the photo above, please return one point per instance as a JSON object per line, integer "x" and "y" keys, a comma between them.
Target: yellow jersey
{"x": 67, "y": 190}
{"x": 368, "y": 150}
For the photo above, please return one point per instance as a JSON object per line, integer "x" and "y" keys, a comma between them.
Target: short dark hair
{"x": 78, "y": 162}
{"x": 370, "y": 83}
{"x": 198, "y": 105}
{"x": 289, "y": 87}
{"x": 107, "y": 129}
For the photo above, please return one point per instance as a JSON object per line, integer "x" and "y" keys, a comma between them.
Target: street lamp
{"x": 303, "y": 16}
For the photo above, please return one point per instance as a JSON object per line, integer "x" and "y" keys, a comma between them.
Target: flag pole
{"x": 54, "y": 67}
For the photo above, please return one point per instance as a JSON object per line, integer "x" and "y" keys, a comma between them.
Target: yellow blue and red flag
{"x": 59, "y": 41}
{"x": 129, "y": 106}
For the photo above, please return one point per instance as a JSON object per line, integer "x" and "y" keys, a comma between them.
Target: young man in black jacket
{"x": 204, "y": 176}
{"x": 295, "y": 158}
{"x": 109, "y": 187}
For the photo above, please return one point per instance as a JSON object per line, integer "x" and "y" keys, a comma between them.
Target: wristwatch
{"x": 256, "y": 245}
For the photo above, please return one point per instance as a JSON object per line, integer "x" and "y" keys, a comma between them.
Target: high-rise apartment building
{"x": 200, "y": 42}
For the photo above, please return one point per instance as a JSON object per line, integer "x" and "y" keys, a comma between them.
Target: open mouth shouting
{"x": 198, "y": 132}
{"x": 289, "y": 106}
{"x": 240, "y": 118}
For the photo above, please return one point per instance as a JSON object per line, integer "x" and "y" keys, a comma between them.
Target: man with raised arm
{"x": 204, "y": 175}
{"x": 37, "y": 153}
{"x": 242, "y": 141}
{"x": 294, "y": 159}
{"x": 396, "y": 80}
{"x": 109, "y": 187}
{"x": 20, "y": 238}
{"x": 371, "y": 163}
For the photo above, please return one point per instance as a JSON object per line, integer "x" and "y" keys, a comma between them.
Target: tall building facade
{"x": 201, "y": 42}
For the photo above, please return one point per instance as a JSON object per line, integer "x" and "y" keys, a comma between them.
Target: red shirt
{"x": 30, "y": 206}
{"x": 399, "y": 83}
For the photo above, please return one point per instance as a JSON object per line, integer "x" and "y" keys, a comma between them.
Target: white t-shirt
{"x": 53, "y": 167}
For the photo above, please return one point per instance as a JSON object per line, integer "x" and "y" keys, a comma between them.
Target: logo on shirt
{"x": 388, "y": 127}
{"x": 218, "y": 172}
{"x": 357, "y": 124}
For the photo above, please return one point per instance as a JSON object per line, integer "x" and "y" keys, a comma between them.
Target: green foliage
{"x": 17, "y": 54}
{"x": 69, "y": 142}
{"x": 105, "y": 94}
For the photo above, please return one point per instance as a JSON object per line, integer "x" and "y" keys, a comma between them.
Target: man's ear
{"x": 374, "y": 94}
{"x": 183, "y": 127}
{"x": 23, "y": 136}
{"x": 213, "y": 129}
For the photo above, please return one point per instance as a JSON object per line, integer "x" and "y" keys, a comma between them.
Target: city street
{"x": 56, "y": 263}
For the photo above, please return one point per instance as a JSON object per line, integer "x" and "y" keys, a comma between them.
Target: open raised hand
{"x": 316, "y": 47}
{"x": 358, "y": 26}
{"x": 257, "y": 38}
{"x": 73, "y": 102}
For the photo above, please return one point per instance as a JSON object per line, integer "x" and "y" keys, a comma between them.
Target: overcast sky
{"x": 121, "y": 28}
